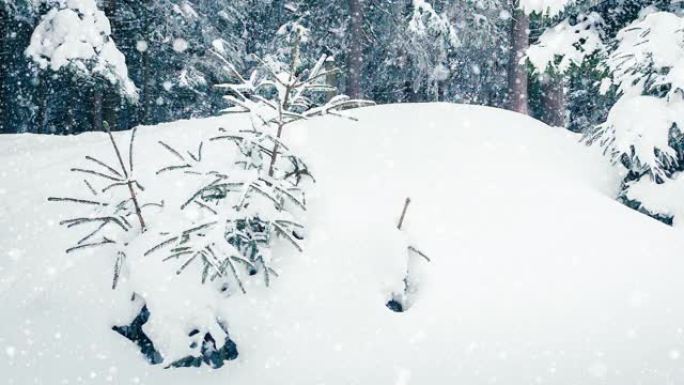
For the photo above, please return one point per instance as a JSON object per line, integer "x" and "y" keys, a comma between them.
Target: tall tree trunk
{"x": 355, "y": 51}
{"x": 145, "y": 97}
{"x": 331, "y": 77}
{"x": 96, "y": 109}
{"x": 110, "y": 108}
{"x": 4, "y": 63}
{"x": 553, "y": 99}
{"x": 43, "y": 103}
{"x": 111, "y": 99}
{"x": 517, "y": 70}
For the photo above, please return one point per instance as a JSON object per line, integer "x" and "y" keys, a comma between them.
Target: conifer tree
{"x": 243, "y": 210}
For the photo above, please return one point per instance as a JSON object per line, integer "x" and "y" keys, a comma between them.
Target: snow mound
{"x": 537, "y": 274}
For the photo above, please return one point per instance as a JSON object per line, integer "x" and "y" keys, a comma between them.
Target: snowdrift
{"x": 537, "y": 274}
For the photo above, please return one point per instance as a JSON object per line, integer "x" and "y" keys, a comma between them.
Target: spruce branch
{"x": 95, "y": 173}
{"x": 105, "y": 241}
{"x": 105, "y": 165}
{"x": 76, "y": 200}
{"x": 108, "y": 219}
{"x": 172, "y": 151}
{"x": 90, "y": 187}
{"x": 129, "y": 181}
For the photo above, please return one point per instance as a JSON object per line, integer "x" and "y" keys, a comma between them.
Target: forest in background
{"x": 466, "y": 51}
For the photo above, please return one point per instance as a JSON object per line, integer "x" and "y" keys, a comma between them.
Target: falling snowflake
{"x": 180, "y": 45}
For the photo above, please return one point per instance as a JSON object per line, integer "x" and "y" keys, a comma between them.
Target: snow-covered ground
{"x": 537, "y": 276}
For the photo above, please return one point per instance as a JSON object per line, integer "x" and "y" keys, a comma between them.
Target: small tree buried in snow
{"x": 239, "y": 214}
{"x": 243, "y": 210}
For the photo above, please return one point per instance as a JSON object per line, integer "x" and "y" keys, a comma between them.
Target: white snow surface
{"x": 537, "y": 276}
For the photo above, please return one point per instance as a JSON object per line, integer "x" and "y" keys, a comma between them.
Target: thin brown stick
{"x": 116, "y": 149}
{"x": 403, "y": 213}
{"x": 130, "y": 149}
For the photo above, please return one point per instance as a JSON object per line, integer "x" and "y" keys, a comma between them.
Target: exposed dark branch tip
{"x": 172, "y": 150}
{"x": 415, "y": 250}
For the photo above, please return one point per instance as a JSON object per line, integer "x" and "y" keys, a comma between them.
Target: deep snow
{"x": 537, "y": 276}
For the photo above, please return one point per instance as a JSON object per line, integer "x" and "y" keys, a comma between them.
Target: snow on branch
{"x": 235, "y": 212}
{"x": 649, "y": 55}
{"x": 647, "y": 68}
{"x": 76, "y": 35}
{"x": 565, "y": 44}
{"x": 545, "y": 7}
{"x": 425, "y": 21}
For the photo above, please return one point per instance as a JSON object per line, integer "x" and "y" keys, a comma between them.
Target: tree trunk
{"x": 355, "y": 51}
{"x": 4, "y": 60}
{"x": 43, "y": 87}
{"x": 97, "y": 108}
{"x": 145, "y": 97}
{"x": 553, "y": 100}
{"x": 331, "y": 77}
{"x": 111, "y": 99}
{"x": 517, "y": 70}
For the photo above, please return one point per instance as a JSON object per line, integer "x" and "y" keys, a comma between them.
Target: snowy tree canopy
{"x": 566, "y": 44}
{"x": 639, "y": 127}
{"x": 431, "y": 37}
{"x": 75, "y": 34}
{"x": 650, "y": 54}
{"x": 648, "y": 69}
{"x": 545, "y": 7}
{"x": 426, "y": 21}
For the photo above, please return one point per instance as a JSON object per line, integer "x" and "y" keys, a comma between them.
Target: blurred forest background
{"x": 389, "y": 51}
